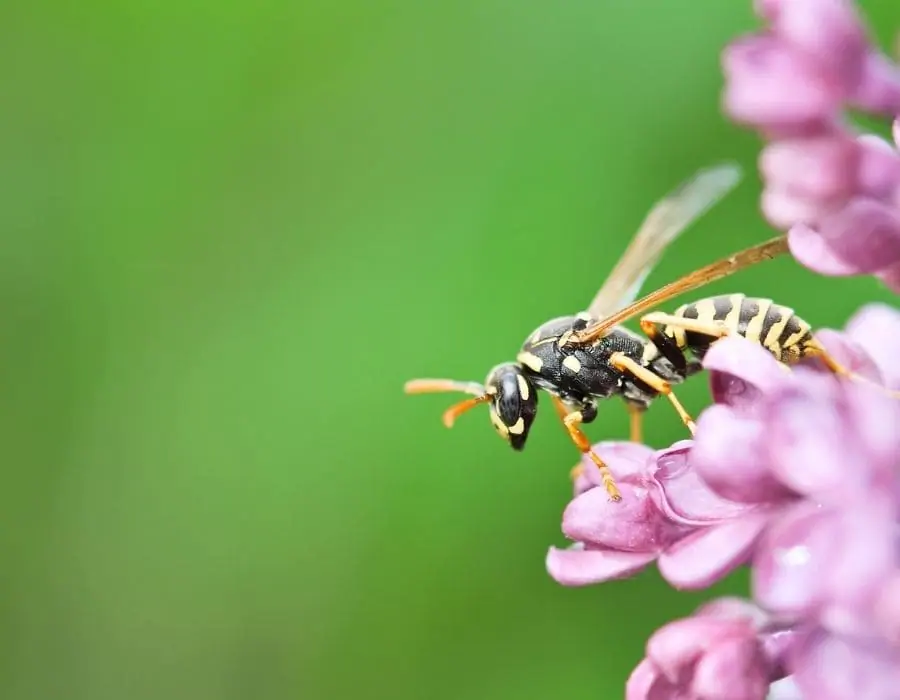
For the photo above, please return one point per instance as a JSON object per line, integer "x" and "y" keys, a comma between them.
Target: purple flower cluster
{"x": 795, "y": 473}
{"x": 837, "y": 192}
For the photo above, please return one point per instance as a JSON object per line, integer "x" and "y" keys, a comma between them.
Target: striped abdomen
{"x": 777, "y": 328}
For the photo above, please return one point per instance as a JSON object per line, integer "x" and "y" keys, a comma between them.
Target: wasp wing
{"x": 665, "y": 222}
{"x": 699, "y": 278}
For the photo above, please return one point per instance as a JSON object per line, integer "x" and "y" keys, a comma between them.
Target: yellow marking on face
{"x": 754, "y": 325}
{"x": 572, "y": 364}
{"x": 518, "y": 427}
{"x": 524, "y": 391}
{"x": 545, "y": 341}
{"x": 706, "y": 311}
{"x": 530, "y": 360}
{"x": 733, "y": 318}
{"x": 498, "y": 423}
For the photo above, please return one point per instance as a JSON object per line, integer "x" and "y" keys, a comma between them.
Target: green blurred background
{"x": 231, "y": 231}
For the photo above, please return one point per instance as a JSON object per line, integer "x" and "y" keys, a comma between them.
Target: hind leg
{"x": 813, "y": 348}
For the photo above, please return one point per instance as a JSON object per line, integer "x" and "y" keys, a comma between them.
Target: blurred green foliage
{"x": 230, "y": 232}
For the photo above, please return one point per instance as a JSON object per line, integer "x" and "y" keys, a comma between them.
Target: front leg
{"x": 572, "y": 421}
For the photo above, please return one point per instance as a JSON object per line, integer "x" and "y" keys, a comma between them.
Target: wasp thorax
{"x": 513, "y": 403}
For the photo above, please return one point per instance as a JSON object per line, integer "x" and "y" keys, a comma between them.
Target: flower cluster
{"x": 795, "y": 473}
{"x": 829, "y": 186}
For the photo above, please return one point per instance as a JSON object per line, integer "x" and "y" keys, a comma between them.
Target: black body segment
{"x": 580, "y": 374}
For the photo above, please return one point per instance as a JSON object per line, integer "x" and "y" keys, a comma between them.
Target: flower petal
{"x": 754, "y": 368}
{"x": 704, "y": 557}
{"x": 864, "y": 562}
{"x": 647, "y": 683}
{"x": 886, "y": 612}
{"x": 677, "y": 645}
{"x": 790, "y": 558}
{"x": 876, "y": 327}
{"x": 872, "y": 419}
{"x": 849, "y": 353}
{"x": 810, "y": 446}
{"x": 879, "y": 167}
{"x": 785, "y": 689}
{"x": 768, "y": 82}
{"x": 778, "y": 646}
{"x": 827, "y": 30}
{"x": 865, "y": 233}
{"x": 783, "y": 208}
{"x": 810, "y": 250}
{"x": 815, "y": 168}
{"x": 878, "y": 89}
{"x": 683, "y": 496}
{"x": 624, "y": 459}
{"x": 730, "y": 455}
{"x": 581, "y": 567}
{"x": 890, "y": 276}
{"x": 734, "y": 608}
{"x": 732, "y": 668}
{"x": 641, "y": 681}
{"x": 833, "y": 668}
{"x": 633, "y": 524}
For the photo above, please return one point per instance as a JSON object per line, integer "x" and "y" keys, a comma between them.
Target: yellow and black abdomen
{"x": 775, "y": 327}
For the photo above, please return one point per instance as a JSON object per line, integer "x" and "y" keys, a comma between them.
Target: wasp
{"x": 580, "y": 360}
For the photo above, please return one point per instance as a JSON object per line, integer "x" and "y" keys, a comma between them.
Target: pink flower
{"x": 826, "y": 666}
{"x": 727, "y": 649}
{"x": 837, "y": 192}
{"x": 794, "y": 472}
{"x": 666, "y": 515}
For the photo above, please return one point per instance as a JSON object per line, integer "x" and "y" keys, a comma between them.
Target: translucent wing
{"x": 662, "y": 225}
{"x": 699, "y": 278}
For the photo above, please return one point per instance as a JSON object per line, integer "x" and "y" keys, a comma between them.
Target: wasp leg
{"x": 636, "y": 419}
{"x": 814, "y": 348}
{"x": 713, "y": 329}
{"x": 572, "y": 421}
{"x": 562, "y": 412}
{"x": 624, "y": 363}
{"x": 667, "y": 347}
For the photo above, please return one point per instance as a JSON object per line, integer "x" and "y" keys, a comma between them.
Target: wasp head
{"x": 513, "y": 403}
{"x": 511, "y": 395}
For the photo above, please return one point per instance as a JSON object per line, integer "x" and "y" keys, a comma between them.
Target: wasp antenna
{"x": 454, "y": 412}
{"x": 434, "y": 386}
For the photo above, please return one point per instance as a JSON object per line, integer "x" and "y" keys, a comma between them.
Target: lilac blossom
{"x": 666, "y": 515}
{"x": 836, "y": 191}
{"x": 795, "y": 473}
{"x": 728, "y": 643}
